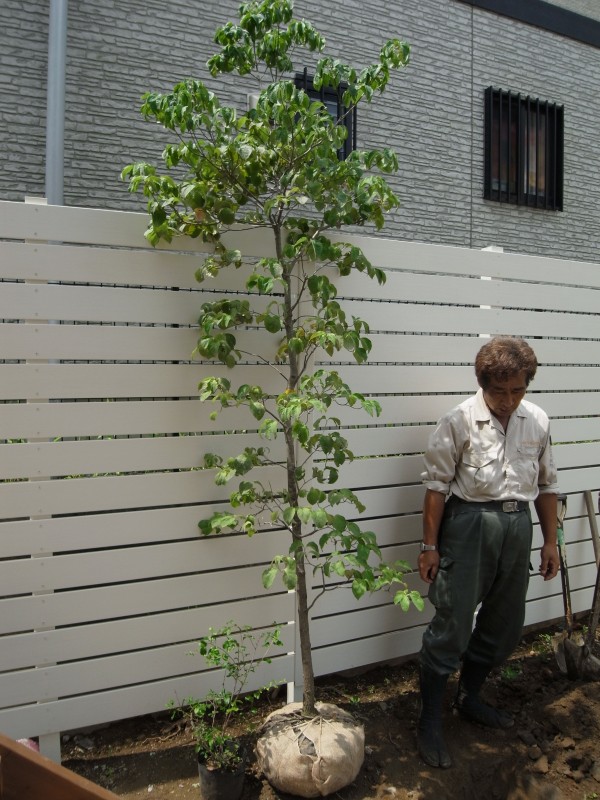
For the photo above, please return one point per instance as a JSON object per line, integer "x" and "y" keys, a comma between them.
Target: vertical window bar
{"x": 555, "y": 197}
{"x": 520, "y": 155}
{"x": 559, "y": 161}
{"x": 487, "y": 144}
{"x": 537, "y": 151}
{"x": 546, "y": 154}
{"x": 500, "y": 153}
{"x": 527, "y": 126}
{"x": 509, "y": 149}
{"x": 553, "y": 171}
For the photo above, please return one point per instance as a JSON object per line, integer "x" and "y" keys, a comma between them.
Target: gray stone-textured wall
{"x": 23, "y": 63}
{"x": 432, "y": 113}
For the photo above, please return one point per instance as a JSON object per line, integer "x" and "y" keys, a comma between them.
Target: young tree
{"x": 277, "y": 166}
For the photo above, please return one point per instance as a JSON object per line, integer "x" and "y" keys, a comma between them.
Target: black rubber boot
{"x": 430, "y": 739}
{"x": 468, "y": 703}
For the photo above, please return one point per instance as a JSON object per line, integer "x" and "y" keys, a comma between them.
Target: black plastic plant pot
{"x": 221, "y": 784}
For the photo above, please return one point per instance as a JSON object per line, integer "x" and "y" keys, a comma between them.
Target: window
{"x": 523, "y": 150}
{"x": 332, "y": 100}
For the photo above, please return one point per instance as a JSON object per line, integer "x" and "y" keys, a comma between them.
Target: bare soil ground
{"x": 552, "y": 752}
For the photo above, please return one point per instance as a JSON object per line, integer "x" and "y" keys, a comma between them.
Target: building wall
{"x": 432, "y": 113}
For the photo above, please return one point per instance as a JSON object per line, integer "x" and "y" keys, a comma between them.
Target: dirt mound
{"x": 552, "y": 752}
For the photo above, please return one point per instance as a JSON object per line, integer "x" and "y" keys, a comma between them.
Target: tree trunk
{"x": 308, "y": 675}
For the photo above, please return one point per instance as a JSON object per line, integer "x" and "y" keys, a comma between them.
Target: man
{"x": 486, "y": 461}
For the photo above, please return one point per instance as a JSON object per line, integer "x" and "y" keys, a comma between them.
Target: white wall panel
{"x": 102, "y": 434}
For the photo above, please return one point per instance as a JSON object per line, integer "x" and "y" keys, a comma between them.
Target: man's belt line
{"x": 508, "y": 506}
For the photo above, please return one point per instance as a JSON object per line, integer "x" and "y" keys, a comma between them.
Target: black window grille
{"x": 524, "y": 140}
{"x": 332, "y": 100}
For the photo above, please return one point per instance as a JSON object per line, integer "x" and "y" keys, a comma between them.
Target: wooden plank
{"x": 382, "y": 379}
{"x": 115, "y": 418}
{"x": 118, "y": 343}
{"x": 575, "y": 430}
{"x": 95, "y": 568}
{"x": 580, "y": 455}
{"x": 391, "y": 471}
{"x": 107, "y": 304}
{"x": 97, "y": 457}
{"x": 28, "y": 537}
{"x": 95, "y": 381}
{"x": 578, "y": 480}
{"x": 86, "y": 495}
{"x": 430, "y": 318}
{"x": 27, "y": 774}
{"x": 406, "y": 348}
{"x": 406, "y": 439}
{"x": 393, "y": 255}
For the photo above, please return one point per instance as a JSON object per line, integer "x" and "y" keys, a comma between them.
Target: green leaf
{"x": 315, "y": 495}
{"x": 272, "y": 323}
{"x": 304, "y": 515}
{"x": 268, "y": 576}
{"x": 338, "y": 523}
{"x": 319, "y": 517}
{"x": 289, "y": 575}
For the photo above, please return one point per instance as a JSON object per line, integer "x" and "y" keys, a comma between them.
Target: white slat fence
{"x": 105, "y": 582}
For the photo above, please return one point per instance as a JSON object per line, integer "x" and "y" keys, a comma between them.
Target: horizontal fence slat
{"x": 114, "y": 418}
{"x": 93, "y": 381}
{"x": 139, "y": 563}
{"x": 23, "y": 460}
{"x": 84, "y": 495}
{"x": 115, "y": 343}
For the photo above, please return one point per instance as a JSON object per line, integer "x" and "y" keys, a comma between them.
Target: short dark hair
{"x": 502, "y": 358}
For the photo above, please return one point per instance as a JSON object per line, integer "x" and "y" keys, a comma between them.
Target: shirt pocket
{"x": 528, "y": 464}
{"x": 481, "y": 468}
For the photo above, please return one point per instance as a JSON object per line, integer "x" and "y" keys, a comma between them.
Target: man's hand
{"x": 549, "y": 561}
{"x": 429, "y": 563}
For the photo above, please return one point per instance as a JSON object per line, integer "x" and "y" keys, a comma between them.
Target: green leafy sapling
{"x": 237, "y": 651}
{"x": 277, "y": 166}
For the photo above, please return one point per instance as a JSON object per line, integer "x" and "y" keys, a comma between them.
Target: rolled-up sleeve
{"x": 440, "y": 457}
{"x": 548, "y": 475}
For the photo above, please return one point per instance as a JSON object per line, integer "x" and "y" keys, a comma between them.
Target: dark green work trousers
{"x": 484, "y": 558}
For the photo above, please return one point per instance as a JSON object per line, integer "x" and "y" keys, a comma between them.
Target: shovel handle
{"x": 562, "y": 555}
{"x": 591, "y": 634}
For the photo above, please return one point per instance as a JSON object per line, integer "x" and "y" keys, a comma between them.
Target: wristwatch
{"x": 425, "y": 547}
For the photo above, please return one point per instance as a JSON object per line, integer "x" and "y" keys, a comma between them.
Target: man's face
{"x": 503, "y": 397}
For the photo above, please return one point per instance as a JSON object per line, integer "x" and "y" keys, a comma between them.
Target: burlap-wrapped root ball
{"x": 310, "y": 757}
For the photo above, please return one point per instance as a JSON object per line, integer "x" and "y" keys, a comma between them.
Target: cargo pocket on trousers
{"x": 440, "y": 591}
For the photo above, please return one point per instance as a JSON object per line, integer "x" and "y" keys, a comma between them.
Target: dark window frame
{"x": 330, "y": 96}
{"x": 524, "y": 150}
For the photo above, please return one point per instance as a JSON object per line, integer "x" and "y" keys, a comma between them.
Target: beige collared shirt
{"x": 470, "y": 455}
